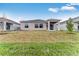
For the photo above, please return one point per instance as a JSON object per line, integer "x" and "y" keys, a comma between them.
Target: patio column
{"x": 4, "y": 26}
{"x": 48, "y": 25}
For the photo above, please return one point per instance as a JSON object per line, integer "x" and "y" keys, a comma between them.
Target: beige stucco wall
{"x": 32, "y": 26}
{"x": 1, "y": 26}
{"x": 56, "y": 26}
{"x": 76, "y": 26}
{"x": 60, "y": 26}
{"x": 14, "y": 27}
{"x": 63, "y": 26}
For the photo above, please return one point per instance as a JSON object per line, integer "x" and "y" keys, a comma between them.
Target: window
{"x": 78, "y": 27}
{"x": 26, "y": 26}
{"x": 1, "y": 23}
{"x": 41, "y": 26}
{"x": 36, "y": 25}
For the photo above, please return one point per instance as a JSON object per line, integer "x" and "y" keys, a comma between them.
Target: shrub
{"x": 69, "y": 25}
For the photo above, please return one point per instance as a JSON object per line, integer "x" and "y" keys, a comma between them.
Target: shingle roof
{"x": 72, "y": 19}
{"x": 8, "y": 20}
{"x": 76, "y": 18}
{"x": 39, "y": 20}
{"x": 33, "y": 21}
{"x": 53, "y": 20}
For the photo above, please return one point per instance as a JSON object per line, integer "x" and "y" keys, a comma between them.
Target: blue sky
{"x": 29, "y": 11}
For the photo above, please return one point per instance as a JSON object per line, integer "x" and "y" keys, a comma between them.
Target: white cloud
{"x": 73, "y": 3}
{"x": 54, "y": 10}
{"x": 70, "y": 8}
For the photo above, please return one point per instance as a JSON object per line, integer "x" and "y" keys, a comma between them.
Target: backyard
{"x": 39, "y": 43}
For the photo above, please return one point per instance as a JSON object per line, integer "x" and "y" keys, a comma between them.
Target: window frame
{"x": 40, "y": 25}
{"x": 26, "y": 26}
{"x": 36, "y": 25}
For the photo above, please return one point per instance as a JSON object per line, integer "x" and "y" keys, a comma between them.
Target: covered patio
{"x": 51, "y": 24}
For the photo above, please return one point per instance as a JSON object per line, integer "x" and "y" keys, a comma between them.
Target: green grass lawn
{"x": 39, "y": 43}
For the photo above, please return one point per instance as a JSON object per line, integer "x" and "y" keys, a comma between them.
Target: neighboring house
{"x": 7, "y": 24}
{"x": 62, "y": 24}
{"x": 38, "y": 24}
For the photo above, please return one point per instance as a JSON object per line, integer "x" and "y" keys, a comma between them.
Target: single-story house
{"x": 7, "y": 24}
{"x": 62, "y": 24}
{"x": 39, "y": 24}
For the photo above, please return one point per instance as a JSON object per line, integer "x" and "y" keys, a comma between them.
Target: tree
{"x": 69, "y": 25}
